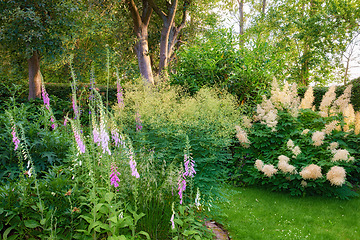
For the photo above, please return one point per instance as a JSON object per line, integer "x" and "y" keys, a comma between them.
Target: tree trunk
{"x": 141, "y": 24}
{"x": 142, "y": 53}
{"x": 34, "y": 76}
{"x": 241, "y": 21}
{"x": 263, "y": 6}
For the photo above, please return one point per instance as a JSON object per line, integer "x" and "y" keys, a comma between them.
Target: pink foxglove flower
{"x": 114, "y": 179}
{"x": 181, "y": 186}
{"x": 79, "y": 141}
{"x": 132, "y": 164}
{"x": 120, "y": 96}
{"x": 15, "y": 139}
{"x": 189, "y": 166}
{"x": 138, "y": 122}
{"x": 45, "y": 96}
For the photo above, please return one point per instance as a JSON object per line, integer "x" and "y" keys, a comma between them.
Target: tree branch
{"x": 157, "y": 10}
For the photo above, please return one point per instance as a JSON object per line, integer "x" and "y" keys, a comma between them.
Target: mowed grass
{"x": 255, "y": 213}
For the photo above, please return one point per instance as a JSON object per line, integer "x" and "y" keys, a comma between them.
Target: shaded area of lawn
{"x": 251, "y": 213}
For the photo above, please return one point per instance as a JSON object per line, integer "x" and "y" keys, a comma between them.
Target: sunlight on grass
{"x": 251, "y": 213}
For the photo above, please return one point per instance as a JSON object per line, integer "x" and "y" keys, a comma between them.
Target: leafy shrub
{"x": 299, "y": 151}
{"x": 169, "y": 117}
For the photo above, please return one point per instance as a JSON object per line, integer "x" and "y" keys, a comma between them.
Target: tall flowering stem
{"x": 132, "y": 164}
{"x": 138, "y": 122}
{"x": 15, "y": 139}
{"x": 45, "y": 96}
{"x": 181, "y": 186}
{"x": 78, "y": 139}
{"x": 119, "y": 95}
{"x": 114, "y": 179}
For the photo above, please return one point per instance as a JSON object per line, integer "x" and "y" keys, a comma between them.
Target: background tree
{"x": 32, "y": 29}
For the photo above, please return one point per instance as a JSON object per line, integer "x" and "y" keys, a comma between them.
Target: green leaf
{"x": 87, "y": 218}
{"x": 178, "y": 221}
{"x": 145, "y": 234}
{"x": 109, "y": 196}
{"x": 7, "y": 231}
{"x": 31, "y": 223}
{"x": 43, "y": 221}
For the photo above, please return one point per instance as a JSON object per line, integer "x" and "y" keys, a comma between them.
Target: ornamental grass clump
{"x": 301, "y": 149}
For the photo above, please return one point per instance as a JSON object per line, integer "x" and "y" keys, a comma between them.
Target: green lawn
{"x": 250, "y": 213}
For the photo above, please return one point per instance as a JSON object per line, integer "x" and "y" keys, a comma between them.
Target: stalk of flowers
{"x": 15, "y": 139}
{"x": 259, "y": 164}
{"x": 267, "y": 113}
{"x": 326, "y": 101}
{"x": 78, "y": 139}
{"x": 104, "y": 136}
{"x": 357, "y": 123}
{"x": 336, "y": 175}
{"x": 295, "y": 149}
{"x": 181, "y": 185}
{"x": 343, "y": 101}
{"x": 114, "y": 175}
{"x": 132, "y": 164}
{"x": 189, "y": 166}
{"x": 330, "y": 127}
{"x": 242, "y": 137}
{"x": 117, "y": 138}
{"x": 269, "y": 170}
{"x": 138, "y": 122}
{"x": 45, "y": 97}
{"x": 119, "y": 95}
{"x": 172, "y": 217}
{"x": 311, "y": 171}
{"x": 307, "y": 101}
{"x": 349, "y": 117}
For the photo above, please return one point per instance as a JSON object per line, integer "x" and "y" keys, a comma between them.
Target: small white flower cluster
{"x": 318, "y": 138}
{"x": 242, "y": 136}
{"x": 295, "y": 149}
{"x": 267, "y": 113}
{"x": 327, "y": 101}
{"x": 284, "y": 165}
{"x": 341, "y": 155}
{"x": 287, "y": 98}
{"x": 307, "y": 101}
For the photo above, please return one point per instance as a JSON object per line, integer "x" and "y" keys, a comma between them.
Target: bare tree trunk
{"x": 34, "y": 76}
{"x": 263, "y": 6}
{"x": 169, "y": 32}
{"x": 141, "y": 24}
{"x": 346, "y": 70}
{"x": 241, "y": 21}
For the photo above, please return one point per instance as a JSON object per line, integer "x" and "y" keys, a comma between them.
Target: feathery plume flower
{"x": 15, "y": 139}
{"x": 78, "y": 139}
{"x": 333, "y": 146}
{"x": 290, "y": 144}
{"x": 285, "y": 167}
{"x": 303, "y": 183}
{"x": 305, "y": 131}
{"x": 259, "y": 164}
{"x": 357, "y": 123}
{"x": 189, "y": 166}
{"x": 307, "y": 101}
{"x": 330, "y": 127}
{"x": 242, "y": 136}
{"x": 246, "y": 122}
{"x": 138, "y": 122}
{"x": 343, "y": 101}
{"x": 269, "y": 170}
{"x": 267, "y": 113}
{"x": 283, "y": 158}
{"x": 326, "y": 102}
{"x": 336, "y": 175}
{"x": 349, "y": 116}
{"x": 114, "y": 179}
{"x": 296, "y": 151}
{"x": 311, "y": 171}
{"x": 318, "y": 138}
{"x": 340, "y": 155}
{"x": 45, "y": 96}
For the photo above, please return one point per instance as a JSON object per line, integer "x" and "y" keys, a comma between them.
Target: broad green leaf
{"x": 145, "y": 234}
{"x": 31, "y": 223}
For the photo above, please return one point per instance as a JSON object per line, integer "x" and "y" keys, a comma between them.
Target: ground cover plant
{"x": 257, "y": 213}
{"x": 291, "y": 146}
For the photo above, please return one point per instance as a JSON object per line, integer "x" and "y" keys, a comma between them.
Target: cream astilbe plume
{"x": 343, "y": 101}
{"x": 327, "y": 100}
{"x": 307, "y": 101}
{"x": 290, "y": 144}
{"x": 267, "y": 113}
{"x": 242, "y": 136}
{"x": 295, "y": 149}
{"x": 269, "y": 170}
{"x": 259, "y": 165}
{"x": 284, "y": 165}
{"x": 340, "y": 155}
{"x": 294, "y": 101}
{"x": 318, "y": 138}
{"x": 305, "y": 131}
{"x": 357, "y": 123}
{"x": 330, "y": 127}
{"x": 333, "y": 146}
{"x": 336, "y": 175}
{"x": 349, "y": 116}
{"x": 311, "y": 172}
{"x": 246, "y": 122}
